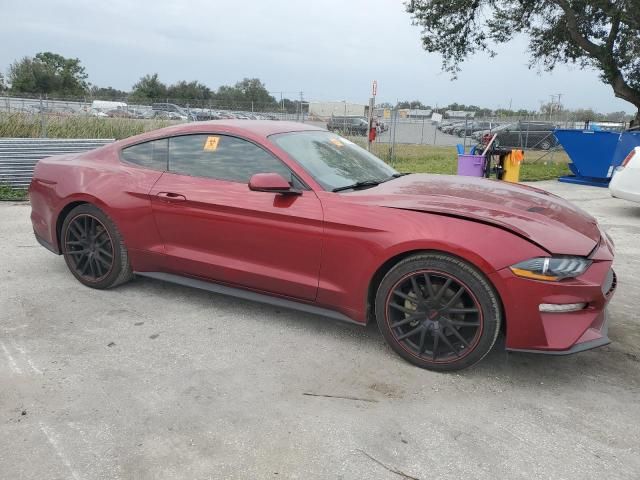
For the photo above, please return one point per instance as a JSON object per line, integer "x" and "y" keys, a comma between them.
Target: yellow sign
{"x": 211, "y": 144}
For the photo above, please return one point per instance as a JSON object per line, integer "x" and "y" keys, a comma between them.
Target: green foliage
{"x": 19, "y": 125}
{"x": 416, "y": 104}
{"x": 107, "y": 93}
{"x": 3, "y": 86}
{"x": 9, "y": 193}
{"x": 239, "y": 96}
{"x": 538, "y": 165}
{"x": 244, "y": 93}
{"x": 188, "y": 91}
{"x": 149, "y": 88}
{"x": 602, "y": 34}
{"x": 48, "y": 73}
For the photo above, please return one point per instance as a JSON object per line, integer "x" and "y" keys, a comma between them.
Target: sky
{"x": 329, "y": 49}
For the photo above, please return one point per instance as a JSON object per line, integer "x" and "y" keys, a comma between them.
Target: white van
{"x": 100, "y": 107}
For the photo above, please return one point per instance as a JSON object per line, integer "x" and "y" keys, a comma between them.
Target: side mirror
{"x": 271, "y": 182}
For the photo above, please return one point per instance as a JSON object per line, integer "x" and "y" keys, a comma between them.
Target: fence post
{"x": 43, "y": 132}
{"x": 393, "y": 143}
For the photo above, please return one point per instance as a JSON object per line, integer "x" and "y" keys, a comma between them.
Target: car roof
{"x": 255, "y": 129}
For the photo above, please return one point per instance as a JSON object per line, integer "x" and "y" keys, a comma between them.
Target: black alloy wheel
{"x": 438, "y": 312}
{"x": 89, "y": 245}
{"x": 93, "y": 248}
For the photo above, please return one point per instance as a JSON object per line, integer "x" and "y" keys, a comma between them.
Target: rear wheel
{"x": 545, "y": 145}
{"x": 438, "y": 312}
{"x": 93, "y": 248}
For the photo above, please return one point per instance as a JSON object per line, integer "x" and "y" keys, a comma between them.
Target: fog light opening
{"x": 561, "y": 307}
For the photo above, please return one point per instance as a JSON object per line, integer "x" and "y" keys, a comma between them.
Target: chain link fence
{"x": 38, "y": 116}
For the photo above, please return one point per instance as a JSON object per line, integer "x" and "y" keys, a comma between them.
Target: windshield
{"x": 332, "y": 161}
{"x": 502, "y": 127}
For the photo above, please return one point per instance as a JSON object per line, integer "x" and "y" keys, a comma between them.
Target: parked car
{"x": 523, "y": 134}
{"x": 450, "y": 128}
{"x": 625, "y": 182}
{"x": 292, "y": 215}
{"x": 204, "y": 115}
{"x": 471, "y": 127}
{"x": 348, "y": 125}
{"x": 444, "y": 123}
{"x": 120, "y": 113}
{"x": 175, "y": 109}
{"x": 164, "y": 115}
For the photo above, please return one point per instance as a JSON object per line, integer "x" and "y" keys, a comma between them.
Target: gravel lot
{"x": 152, "y": 381}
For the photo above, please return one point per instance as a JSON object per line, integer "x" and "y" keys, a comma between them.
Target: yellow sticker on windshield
{"x": 211, "y": 144}
{"x": 337, "y": 142}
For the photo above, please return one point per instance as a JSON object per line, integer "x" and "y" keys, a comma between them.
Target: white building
{"x": 336, "y": 109}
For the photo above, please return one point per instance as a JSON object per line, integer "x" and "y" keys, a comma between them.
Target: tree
{"x": 48, "y": 73}
{"x": 415, "y": 104}
{"x": 585, "y": 114}
{"x": 3, "y": 87}
{"x": 244, "y": 94}
{"x": 602, "y": 34}
{"x": 149, "y": 88}
{"x": 185, "y": 92}
{"x": 253, "y": 90}
{"x": 107, "y": 93}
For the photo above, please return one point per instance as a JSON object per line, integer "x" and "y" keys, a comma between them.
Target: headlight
{"x": 551, "y": 268}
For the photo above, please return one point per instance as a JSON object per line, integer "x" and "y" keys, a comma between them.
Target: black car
{"x": 465, "y": 131}
{"x": 523, "y": 134}
{"x": 348, "y": 125}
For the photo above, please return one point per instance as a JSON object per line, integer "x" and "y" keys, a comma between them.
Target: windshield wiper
{"x": 368, "y": 183}
{"x": 397, "y": 175}
{"x": 362, "y": 184}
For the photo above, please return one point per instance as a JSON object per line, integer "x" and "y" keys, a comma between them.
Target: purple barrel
{"x": 471, "y": 165}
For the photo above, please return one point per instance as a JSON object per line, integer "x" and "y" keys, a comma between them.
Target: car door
{"x": 214, "y": 227}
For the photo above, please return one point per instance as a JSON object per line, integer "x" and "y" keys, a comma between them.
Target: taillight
{"x": 628, "y": 158}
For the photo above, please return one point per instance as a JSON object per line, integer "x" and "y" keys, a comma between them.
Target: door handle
{"x": 171, "y": 197}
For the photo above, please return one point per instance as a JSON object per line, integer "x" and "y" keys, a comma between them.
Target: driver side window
{"x": 221, "y": 157}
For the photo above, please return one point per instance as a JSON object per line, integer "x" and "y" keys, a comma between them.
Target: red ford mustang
{"x": 293, "y": 215}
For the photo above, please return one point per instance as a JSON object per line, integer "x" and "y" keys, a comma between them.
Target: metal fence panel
{"x": 18, "y": 156}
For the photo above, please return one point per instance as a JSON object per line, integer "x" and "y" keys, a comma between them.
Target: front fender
{"x": 355, "y": 251}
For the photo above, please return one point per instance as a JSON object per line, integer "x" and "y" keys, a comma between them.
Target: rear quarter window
{"x": 152, "y": 155}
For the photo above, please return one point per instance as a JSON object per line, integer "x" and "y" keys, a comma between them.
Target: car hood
{"x": 545, "y": 219}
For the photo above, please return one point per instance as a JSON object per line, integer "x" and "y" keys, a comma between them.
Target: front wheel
{"x": 438, "y": 312}
{"x": 93, "y": 248}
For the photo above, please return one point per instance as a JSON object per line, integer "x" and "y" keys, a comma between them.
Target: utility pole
{"x": 301, "y": 100}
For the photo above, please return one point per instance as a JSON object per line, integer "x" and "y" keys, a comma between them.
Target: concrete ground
{"x": 152, "y": 380}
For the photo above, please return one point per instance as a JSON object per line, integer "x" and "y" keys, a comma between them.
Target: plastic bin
{"x": 471, "y": 165}
{"x": 512, "y": 162}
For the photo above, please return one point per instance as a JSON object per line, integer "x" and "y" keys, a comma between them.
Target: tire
{"x": 93, "y": 248}
{"x": 545, "y": 145}
{"x": 466, "y": 323}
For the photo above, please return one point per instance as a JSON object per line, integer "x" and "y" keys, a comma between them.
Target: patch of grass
{"x": 15, "y": 194}
{"x": 21, "y": 125}
{"x": 537, "y": 165}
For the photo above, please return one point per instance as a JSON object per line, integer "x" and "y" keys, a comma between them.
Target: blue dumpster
{"x": 591, "y": 154}
{"x": 627, "y": 142}
{"x": 594, "y": 154}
